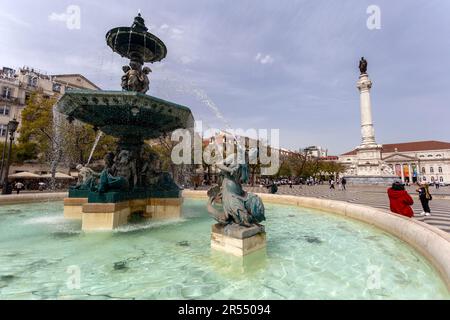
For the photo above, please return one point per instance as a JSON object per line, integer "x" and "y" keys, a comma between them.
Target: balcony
{"x": 11, "y": 100}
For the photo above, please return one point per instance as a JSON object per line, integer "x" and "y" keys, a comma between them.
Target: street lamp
{"x": 12, "y": 127}
{"x": 5, "y": 146}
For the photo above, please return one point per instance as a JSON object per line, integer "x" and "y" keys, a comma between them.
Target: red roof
{"x": 410, "y": 147}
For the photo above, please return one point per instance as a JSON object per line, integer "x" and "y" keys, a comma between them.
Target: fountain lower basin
{"x": 314, "y": 256}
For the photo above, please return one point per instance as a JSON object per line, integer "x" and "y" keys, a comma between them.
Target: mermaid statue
{"x": 238, "y": 206}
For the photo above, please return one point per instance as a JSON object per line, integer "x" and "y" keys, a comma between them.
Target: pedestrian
{"x": 344, "y": 183}
{"x": 41, "y": 186}
{"x": 332, "y": 184}
{"x": 19, "y": 186}
{"x": 437, "y": 184}
{"x": 425, "y": 198}
{"x": 290, "y": 184}
{"x": 399, "y": 200}
{"x": 273, "y": 188}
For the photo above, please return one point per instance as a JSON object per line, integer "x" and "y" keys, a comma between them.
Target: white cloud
{"x": 14, "y": 19}
{"x": 164, "y": 27}
{"x": 173, "y": 32}
{"x": 186, "y": 60}
{"x": 177, "y": 31}
{"x": 264, "y": 59}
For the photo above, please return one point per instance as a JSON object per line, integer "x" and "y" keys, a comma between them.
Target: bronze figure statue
{"x": 135, "y": 77}
{"x": 363, "y": 65}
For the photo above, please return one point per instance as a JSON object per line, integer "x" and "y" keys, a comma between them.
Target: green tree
{"x": 47, "y": 136}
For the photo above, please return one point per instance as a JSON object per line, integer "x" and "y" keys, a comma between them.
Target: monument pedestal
{"x": 237, "y": 240}
{"x": 109, "y": 216}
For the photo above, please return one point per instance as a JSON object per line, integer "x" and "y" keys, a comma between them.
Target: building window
{"x": 56, "y": 87}
{"x": 440, "y": 169}
{"x": 4, "y": 111}
{"x": 6, "y": 93}
{"x": 3, "y": 129}
{"x": 424, "y": 178}
{"x": 32, "y": 81}
{"x": 431, "y": 169}
{"x": 424, "y": 171}
{"x": 441, "y": 179}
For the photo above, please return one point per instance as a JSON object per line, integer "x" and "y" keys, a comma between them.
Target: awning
{"x": 24, "y": 175}
{"x": 58, "y": 175}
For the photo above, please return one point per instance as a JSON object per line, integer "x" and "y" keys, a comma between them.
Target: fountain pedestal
{"x": 73, "y": 208}
{"x": 109, "y": 216}
{"x": 131, "y": 180}
{"x": 237, "y": 240}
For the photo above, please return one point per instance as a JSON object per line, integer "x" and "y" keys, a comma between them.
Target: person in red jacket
{"x": 400, "y": 200}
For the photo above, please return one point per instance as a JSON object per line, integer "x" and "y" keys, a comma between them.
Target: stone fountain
{"x": 130, "y": 182}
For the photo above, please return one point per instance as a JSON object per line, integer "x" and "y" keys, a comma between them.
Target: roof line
{"x": 76, "y": 75}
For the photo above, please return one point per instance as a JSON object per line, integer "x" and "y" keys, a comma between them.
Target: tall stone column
{"x": 367, "y": 131}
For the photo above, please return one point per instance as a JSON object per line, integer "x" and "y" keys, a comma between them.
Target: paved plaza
{"x": 376, "y": 197}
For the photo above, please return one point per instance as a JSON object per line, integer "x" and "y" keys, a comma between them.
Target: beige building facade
{"x": 17, "y": 85}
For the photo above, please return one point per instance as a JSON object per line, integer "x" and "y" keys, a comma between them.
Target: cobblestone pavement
{"x": 375, "y": 197}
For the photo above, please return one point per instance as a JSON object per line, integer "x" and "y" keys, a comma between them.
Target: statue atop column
{"x": 363, "y": 65}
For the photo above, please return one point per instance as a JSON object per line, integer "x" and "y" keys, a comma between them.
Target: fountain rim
{"x": 76, "y": 92}
{"x": 430, "y": 242}
{"x": 426, "y": 239}
{"x": 112, "y": 35}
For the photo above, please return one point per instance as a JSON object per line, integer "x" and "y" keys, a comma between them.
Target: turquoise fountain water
{"x": 313, "y": 256}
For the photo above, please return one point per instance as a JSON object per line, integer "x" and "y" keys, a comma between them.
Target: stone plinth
{"x": 73, "y": 208}
{"x": 163, "y": 208}
{"x": 237, "y": 240}
{"x": 109, "y": 216}
{"x": 105, "y": 216}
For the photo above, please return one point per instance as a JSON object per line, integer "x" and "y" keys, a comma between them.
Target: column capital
{"x": 364, "y": 83}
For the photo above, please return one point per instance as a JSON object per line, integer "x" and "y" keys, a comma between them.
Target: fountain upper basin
{"x": 123, "y": 113}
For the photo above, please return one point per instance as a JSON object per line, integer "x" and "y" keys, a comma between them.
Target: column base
{"x": 236, "y": 240}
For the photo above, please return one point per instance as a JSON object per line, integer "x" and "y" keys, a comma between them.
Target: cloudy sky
{"x": 291, "y": 65}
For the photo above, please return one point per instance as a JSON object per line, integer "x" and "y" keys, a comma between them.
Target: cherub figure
{"x": 125, "y": 77}
{"x": 135, "y": 77}
{"x": 86, "y": 178}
